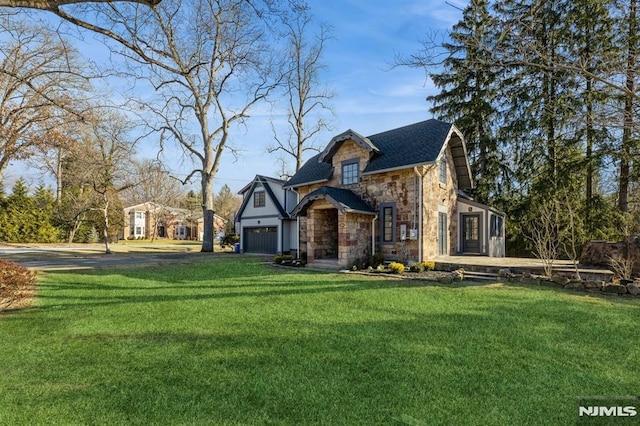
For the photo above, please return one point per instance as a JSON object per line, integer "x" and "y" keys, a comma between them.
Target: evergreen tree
{"x": 590, "y": 26}
{"x": 628, "y": 26}
{"x": 28, "y": 219}
{"x": 226, "y": 204}
{"x": 467, "y": 97}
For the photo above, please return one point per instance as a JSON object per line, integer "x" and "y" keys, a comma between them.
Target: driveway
{"x": 49, "y": 257}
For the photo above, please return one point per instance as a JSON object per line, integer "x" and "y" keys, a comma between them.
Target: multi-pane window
{"x": 442, "y": 234}
{"x": 471, "y": 228}
{"x": 496, "y": 226}
{"x": 349, "y": 173}
{"x": 258, "y": 199}
{"x": 443, "y": 169}
{"x": 388, "y": 223}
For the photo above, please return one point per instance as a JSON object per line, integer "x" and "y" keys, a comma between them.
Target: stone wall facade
{"x": 401, "y": 189}
{"x": 322, "y": 223}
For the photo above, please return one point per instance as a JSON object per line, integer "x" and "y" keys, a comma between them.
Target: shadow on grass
{"x": 488, "y": 362}
{"x": 231, "y": 278}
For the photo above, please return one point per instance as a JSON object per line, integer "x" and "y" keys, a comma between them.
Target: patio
{"x": 492, "y": 265}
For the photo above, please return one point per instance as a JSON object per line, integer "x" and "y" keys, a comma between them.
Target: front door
{"x": 471, "y": 233}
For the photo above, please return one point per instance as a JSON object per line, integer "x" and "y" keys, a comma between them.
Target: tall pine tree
{"x": 467, "y": 97}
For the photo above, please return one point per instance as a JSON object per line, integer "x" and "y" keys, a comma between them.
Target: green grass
{"x": 233, "y": 341}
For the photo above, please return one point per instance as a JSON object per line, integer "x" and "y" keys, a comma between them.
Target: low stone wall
{"x": 599, "y": 252}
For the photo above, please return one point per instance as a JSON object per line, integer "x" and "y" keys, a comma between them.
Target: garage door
{"x": 261, "y": 240}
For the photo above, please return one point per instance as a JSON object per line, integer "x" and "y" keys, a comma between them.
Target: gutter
{"x": 305, "y": 184}
{"x": 393, "y": 169}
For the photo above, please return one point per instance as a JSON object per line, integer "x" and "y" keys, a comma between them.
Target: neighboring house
{"x": 263, "y": 221}
{"x": 399, "y": 193}
{"x": 141, "y": 220}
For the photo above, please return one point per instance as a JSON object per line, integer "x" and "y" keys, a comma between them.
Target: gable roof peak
{"x": 336, "y": 141}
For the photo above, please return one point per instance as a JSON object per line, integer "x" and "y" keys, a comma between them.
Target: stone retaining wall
{"x": 599, "y": 252}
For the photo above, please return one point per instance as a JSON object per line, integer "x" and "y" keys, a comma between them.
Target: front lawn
{"x": 233, "y": 341}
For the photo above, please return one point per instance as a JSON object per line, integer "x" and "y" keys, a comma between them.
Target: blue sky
{"x": 370, "y": 97}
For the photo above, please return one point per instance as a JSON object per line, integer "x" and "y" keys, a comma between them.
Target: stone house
{"x": 263, "y": 221}
{"x": 399, "y": 193}
{"x": 151, "y": 220}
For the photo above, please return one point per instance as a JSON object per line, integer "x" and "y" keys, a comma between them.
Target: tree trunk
{"x": 625, "y": 158}
{"x": 207, "y": 212}
{"x": 59, "y": 178}
{"x": 105, "y": 228}
{"x": 590, "y": 160}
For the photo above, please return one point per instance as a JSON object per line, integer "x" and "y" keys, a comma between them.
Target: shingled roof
{"x": 313, "y": 171}
{"x": 412, "y": 145}
{"x": 344, "y": 200}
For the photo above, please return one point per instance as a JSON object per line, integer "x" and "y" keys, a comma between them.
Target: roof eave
{"x": 304, "y": 184}
{"x": 359, "y": 212}
{"x": 465, "y": 156}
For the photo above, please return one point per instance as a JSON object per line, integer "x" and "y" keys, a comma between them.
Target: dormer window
{"x": 350, "y": 172}
{"x": 443, "y": 169}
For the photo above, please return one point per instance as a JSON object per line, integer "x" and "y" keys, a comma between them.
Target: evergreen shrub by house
{"x": 422, "y": 266}
{"x": 376, "y": 260}
{"x": 282, "y": 258}
{"x": 416, "y": 267}
{"x": 229, "y": 240}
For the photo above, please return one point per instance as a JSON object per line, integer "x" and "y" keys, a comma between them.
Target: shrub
{"x": 283, "y": 259}
{"x": 429, "y": 266}
{"x": 422, "y": 266}
{"x": 396, "y": 268}
{"x": 376, "y": 260}
{"x": 229, "y": 240}
{"x": 417, "y": 267}
{"x": 16, "y": 283}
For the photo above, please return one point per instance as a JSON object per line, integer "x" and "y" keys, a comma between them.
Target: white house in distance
{"x": 263, "y": 221}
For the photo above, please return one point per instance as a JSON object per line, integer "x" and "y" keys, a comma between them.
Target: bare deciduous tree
{"x": 306, "y": 99}
{"x": 52, "y": 4}
{"x": 41, "y": 88}
{"x": 208, "y": 63}
{"x": 101, "y": 167}
{"x": 544, "y": 235}
{"x": 154, "y": 185}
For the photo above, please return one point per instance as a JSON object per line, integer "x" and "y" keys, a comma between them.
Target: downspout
{"x": 297, "y": 224}
{"x": 284, "y": 221}
{"x": 420, "y": 208}
{"x": 298, "y": 236}
{"x": 373, "y": 235}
